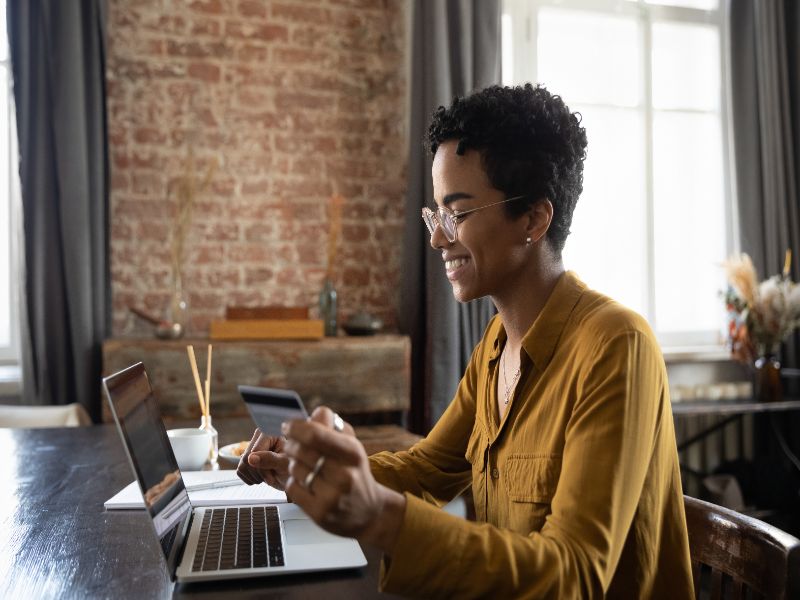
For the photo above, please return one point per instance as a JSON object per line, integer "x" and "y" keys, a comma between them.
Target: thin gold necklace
{"x": 509, "y": 388}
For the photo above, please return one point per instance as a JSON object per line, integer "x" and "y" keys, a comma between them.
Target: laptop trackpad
{"x": 305, "y": 531}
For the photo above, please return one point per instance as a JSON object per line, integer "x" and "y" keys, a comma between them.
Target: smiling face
{"x": 490, "y": 255}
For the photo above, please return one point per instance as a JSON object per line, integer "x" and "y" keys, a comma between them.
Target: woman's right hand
{"x": 264, "y": 460}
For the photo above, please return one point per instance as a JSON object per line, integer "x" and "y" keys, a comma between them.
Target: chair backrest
{"x": 744, "y": 557}
{"x": 69, "y": 415}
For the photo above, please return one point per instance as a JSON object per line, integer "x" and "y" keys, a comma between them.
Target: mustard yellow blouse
{"x": 577, "y": 490}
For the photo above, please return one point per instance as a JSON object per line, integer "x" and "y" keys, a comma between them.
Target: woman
{"x": 561, "y": 423}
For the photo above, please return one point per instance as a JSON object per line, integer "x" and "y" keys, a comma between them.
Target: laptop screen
{"x": 139, "y": 420}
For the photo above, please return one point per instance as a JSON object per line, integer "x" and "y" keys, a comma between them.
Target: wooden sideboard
{"x": 352, "y": 375}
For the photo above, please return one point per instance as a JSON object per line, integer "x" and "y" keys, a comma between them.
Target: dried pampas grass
{"x": 743, "y": 277}
{"x": 760, "y": 314}
{"x": 185, "y": 190}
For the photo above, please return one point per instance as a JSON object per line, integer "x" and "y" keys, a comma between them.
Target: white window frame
{"x": 10, "y": 354}
{"x": 523, "y": 22}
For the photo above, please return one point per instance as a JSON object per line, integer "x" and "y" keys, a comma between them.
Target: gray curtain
{"x": 765, "y": 75}
{"x": 765, "y": 79}
{"x": 58, "y": 62}
{"x": 455, "y": 50}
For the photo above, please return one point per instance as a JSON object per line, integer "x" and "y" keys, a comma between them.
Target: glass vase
{"x": 178, "y": 312}
{"x": 213, "y": 451}
{"x": 767, "y": 377}
{"x": 327, "y": 307}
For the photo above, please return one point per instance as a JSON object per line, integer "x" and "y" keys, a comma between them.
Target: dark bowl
{"x": 360, "y": 329}
{"x": 362, "y": 323}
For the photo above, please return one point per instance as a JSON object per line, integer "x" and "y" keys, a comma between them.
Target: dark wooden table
{"x": 731, "y": 407}
{"x": 732, "y": 410}
{"x": 57, "y": 540}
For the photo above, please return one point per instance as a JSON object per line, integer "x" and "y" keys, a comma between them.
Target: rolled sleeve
{"x": 438, "y": 555}
{"x": 429, "y": 540}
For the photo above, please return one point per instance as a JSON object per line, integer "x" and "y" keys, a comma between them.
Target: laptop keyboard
{"x": 169, "y": 539}
{"x": 239, "y": 538}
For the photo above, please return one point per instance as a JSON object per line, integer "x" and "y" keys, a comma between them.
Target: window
{"x": 9, "y": 193}
{"x": 656, "y": 219}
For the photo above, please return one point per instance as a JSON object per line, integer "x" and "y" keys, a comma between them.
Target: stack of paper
{"x": 206, "y": 488}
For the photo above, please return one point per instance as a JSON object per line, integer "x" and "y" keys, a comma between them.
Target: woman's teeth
{"x": 454, "y": 264}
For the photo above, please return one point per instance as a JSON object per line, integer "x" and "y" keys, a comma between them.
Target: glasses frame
{"x": 435, "y": 218}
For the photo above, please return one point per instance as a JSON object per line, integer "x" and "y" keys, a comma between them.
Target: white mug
{"x": 191, "y": 447}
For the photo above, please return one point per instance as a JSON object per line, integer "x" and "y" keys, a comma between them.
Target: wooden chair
{"x": 746, "y": 558}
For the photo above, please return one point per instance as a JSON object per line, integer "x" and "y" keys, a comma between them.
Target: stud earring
{"x": 528, "y": 241}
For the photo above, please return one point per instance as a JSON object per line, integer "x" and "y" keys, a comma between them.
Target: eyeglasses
{"x": 448, "y": 220}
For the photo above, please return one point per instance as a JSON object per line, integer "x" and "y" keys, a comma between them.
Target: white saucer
{"x": 227, "y": 453}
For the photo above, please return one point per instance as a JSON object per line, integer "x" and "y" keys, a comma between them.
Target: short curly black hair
{"x": 530, "y": 143}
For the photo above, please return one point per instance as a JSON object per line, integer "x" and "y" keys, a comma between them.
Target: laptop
{"x": 213, "y": 543}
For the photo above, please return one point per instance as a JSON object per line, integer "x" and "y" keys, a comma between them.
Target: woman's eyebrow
{"x": 450, "y": 198}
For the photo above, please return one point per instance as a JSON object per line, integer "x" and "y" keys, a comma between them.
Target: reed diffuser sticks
{"x": 203, "y": 397}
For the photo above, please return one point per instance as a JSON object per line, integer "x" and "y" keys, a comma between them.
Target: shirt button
{"x": 495, "y": 473}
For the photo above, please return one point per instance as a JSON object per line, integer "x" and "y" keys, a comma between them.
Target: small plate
{"x": 229, "y": 452}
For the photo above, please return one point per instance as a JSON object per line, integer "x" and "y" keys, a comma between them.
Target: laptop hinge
{"x": 184, "y": 537}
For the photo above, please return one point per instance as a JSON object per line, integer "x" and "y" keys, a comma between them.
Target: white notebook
{"x": 131, "y": 498}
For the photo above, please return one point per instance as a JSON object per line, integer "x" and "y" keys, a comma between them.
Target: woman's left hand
{"x": 343, "y": 497}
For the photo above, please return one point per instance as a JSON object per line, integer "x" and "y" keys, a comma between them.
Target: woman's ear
{"x": 539, "y": 217}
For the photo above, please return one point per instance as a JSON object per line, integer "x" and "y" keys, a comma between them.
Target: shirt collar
{"x": 540, "y": 341}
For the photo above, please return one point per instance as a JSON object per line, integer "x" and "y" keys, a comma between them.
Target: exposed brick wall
{"x": 292, "y": 99}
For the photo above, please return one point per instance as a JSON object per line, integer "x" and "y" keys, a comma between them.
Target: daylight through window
{"x": 655, "y": 219}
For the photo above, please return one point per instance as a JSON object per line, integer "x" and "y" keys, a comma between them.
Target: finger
{"x": 273, "y": 468}
{"x": 305, "y": 454}
{"x": 348, "y": 430}
{"x": 247, "y": 478}
{"x": 243, "y": 469}
{"x": 265, "y": 460}
{"x": 301, "y": 496}
{"x": 247, "y": 475}
{"x": 308, "y": 477}
{"x": 325, "y": 441}
{"x": 334, "y": 474}
{"x": 253, "y": 440}
{"x": 325, "y": 416}
{"x": 246, "y": 453}
{"x": 271, "y": 480}
{"x": 301, "y": 471}
{"x": 317, "y": 502}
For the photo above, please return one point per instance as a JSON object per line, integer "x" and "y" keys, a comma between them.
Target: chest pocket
{"x": 532, "y": 477}
{"x": 531, "y": 482}
{"x": 476, "y": 450}
{"x": 476, "y": 455}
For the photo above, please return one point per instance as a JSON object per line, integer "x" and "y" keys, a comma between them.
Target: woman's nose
{"x": 439, "y": 239}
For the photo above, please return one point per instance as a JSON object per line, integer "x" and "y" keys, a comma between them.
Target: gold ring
{"x": 312, "y": 474}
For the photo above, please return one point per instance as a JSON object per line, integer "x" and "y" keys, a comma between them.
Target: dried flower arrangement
{"x": 760, "y": 315}
{"x": 335, "y": 203}
{"x": 185, "y": 190}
